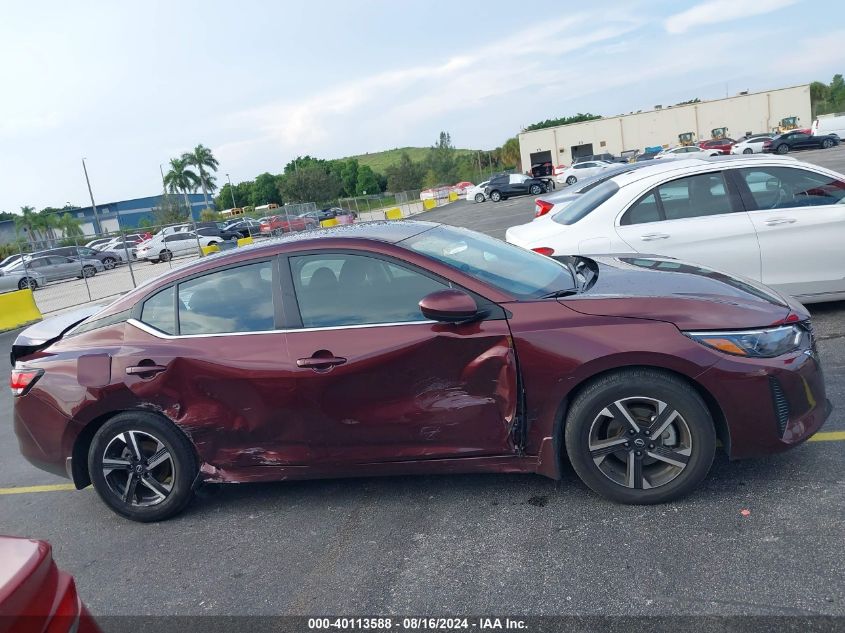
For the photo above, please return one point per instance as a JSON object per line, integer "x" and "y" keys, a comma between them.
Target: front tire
{"x": 109, "y": 263}
{"x": 27, "y": 282}
{"x": 165, "y": 256}
{"x": 535, "y": 190}
{"x": 571, "y": 180}
{"x": 142, "y": 466}
{"x": 827, "y": 144}
{"x": 88, "y": 271}
{"x": 479, "y": 197}
{"x": 640, "y": 436}
{"x": 495, "y": 196}
{"x": 748, "y": 150}
{"x": 783, "y": 148}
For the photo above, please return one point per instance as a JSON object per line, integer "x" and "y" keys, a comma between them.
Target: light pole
{"x": 232, "y": 191}
{"x": 97, "y": 228}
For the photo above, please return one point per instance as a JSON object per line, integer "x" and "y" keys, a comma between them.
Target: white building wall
{"x": 756, "y": 112}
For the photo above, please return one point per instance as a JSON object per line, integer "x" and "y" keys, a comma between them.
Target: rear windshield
{"x": 586, "y": 203}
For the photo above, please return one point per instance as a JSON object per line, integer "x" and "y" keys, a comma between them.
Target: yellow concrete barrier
{"x": 429, "y": 204}
{"x": 208, "y": 250}
{"x": 244, "y": 241}
{"x": 393, "y": 214}
{"x": 453, "y": 195}
{"x": 329, "y": 222}
{"x": 18, "y": 308}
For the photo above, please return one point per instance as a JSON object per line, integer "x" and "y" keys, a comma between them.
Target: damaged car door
{"x": 377, "y": 382}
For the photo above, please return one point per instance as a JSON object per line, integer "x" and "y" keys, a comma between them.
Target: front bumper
{"x": 769, "y": 405}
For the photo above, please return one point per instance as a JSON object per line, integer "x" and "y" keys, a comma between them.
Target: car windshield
{"x": 586, "y": 203}
{"x": 516, "y": 271}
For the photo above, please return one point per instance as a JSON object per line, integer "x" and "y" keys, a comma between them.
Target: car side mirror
{"x": 449, "y": 306}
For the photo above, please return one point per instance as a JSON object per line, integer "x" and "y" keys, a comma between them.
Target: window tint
{"x": 586, "y": 203}
{"x": 232, "y": 300}
{"x": 59, "y": 260}
{"x": 338, "y": 289}
{"x": 690, "y": 197}
{"x": 158, "y": 311}
{"x": 788, "y": 187}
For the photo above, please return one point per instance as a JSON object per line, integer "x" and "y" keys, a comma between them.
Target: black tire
{"x": 571, "y": 180}
{"x": 535, "y": 190}
{"x": 496, "y": 196}
{"x": 748, "y": 150}
{"x": 479, "y": 197}
{"x": 170, "y": 483}
{"x": 640, "y": 389}
{"x": 88, "y": 271}
{"x": 27, "y": 282}
{"x": 783, "y": 148}
{"x": 827, "y": 144}
{"x": 212, "y": 243}
{"x": 165, "y": 256}
{"x": 109, "y": 263}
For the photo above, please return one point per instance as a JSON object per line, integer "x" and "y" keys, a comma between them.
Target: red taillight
{"x": 767, "y": 143}
{"x": 542, "y": 207}
{"x": 22, "y": 379}
{"x": 544, "y": 250}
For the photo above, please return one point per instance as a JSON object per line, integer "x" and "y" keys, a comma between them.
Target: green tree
{"x": 209, "y": 215}
{"x": 203, "y": 159}
{"x": 565, "y": 120}
{"x": 406, "y": 175}
{"x": 180, "y": 178}
{"x": 264, "y": 190}
{"x": 311, "y": 184}
{"x": 367, "y": 182}
{"x": 441, "y": 163}
{"x": 509, "y": 153}
{"x": 69, "y": 226}
{"x": 169, "y": 210}
{"x": 302, "y": 162}
{"x": 28, "y": 222}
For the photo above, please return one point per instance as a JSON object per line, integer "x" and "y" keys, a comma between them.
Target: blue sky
{"x": 129, "y": 85}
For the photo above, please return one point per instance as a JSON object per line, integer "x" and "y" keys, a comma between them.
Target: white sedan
{"x": 751, "y": 145}
{"x": 476, "y": 192}
{"x": 582, "y": 171}
{"x": 745, "y": 216}
{"x": 687, "y": 151}
{"x": 163, "y": 248}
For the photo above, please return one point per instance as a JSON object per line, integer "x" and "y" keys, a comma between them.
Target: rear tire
{"x": 479, "y": 197}
{"x": 109, "y": 263}
{"x": 571, "y": 180}
{"x": 165, "y": 256}
{"x": 638, "y": 467}
{"x": 783, "y": 148}
{"x": 748, "y": 150}
{"x": 120, "y": 464}
{"x": 827, "y": 144}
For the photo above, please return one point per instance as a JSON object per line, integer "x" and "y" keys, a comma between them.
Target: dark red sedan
{"x": 411, "y": 347}
{"x": 278, "y": 224}
{"x": 724, "y": 145}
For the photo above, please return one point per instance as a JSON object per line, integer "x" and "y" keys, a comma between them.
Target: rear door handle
{"x": 776, "y": 221}
{"x": 320, "y": 362}
{"x": 144, "y": 369}
{"x": 650, "y": 237}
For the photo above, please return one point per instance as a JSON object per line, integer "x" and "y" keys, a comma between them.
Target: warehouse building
{"x": 742, "y": 114}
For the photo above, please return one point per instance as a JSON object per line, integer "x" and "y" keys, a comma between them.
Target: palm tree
{"x": 28, "y": 221}
{"x": 180, "y": 178}
{"x": 204, "y": 161}
{"x": 69, "y": 226}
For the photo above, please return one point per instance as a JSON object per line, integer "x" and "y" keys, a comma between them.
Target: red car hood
{"x": 690, "y": 296}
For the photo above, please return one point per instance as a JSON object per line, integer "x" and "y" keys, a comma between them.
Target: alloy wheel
{"x": 138, "y": 468}
{"x": 571, "y": 180}
{"x": 640, "y": 442}
{"x": 108, "y": 263}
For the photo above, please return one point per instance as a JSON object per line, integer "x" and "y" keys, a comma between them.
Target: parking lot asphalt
{"x": 461, "y": 545}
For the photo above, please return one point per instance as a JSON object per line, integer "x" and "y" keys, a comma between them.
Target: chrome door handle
{"x": 650, "y": 237}
{"x": 776, "y": 221}
{"x": 136, "y": 370}
{"x": 320, "y": 362}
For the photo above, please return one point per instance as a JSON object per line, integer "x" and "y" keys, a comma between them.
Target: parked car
{"x": 751, "y": 145}
{"x": 279, "y": 224}
{"x": 163, "y": 248}
{"x": 57, "y": 267}
{"x": 504, "y": 186}
{"x": 109, "y": 259}
{"x": 216, "y": 232}
{"x": 743, "y": 215}
{"x": 606, "y": 157}
{"x": 477, "y": 192}
{"x": 494, "y": 358}
{"x": 833, "y": 124}
{"x": 783, "y": 143}
{"x": 98, "y": 241}
{"x": 19, "y": 279}
{"x": 582, "y": 171}
{"x": 35, "y": 595}
{"x": 724, "y": 145}
{"x": 686, "y": 151}
{"x": 245, "y": 227}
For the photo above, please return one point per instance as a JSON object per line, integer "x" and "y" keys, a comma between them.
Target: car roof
{"x": 684, "y": 164}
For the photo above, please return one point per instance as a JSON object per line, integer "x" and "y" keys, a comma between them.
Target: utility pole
{"x": 232, "y": 191}
{"x": 97, "y": 228}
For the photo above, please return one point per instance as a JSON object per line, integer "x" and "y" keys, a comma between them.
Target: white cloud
{"x": 717, "y": 11}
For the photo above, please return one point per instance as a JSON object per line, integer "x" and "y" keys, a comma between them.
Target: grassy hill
{"x": 379, "y": 161}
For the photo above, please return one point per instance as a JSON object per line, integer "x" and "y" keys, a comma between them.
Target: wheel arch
{"x": 552, "y": 465}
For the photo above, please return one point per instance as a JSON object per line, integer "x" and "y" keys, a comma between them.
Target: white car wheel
{"x": 479, "y": 197}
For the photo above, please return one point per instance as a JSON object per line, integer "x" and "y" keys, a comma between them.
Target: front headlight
{"x": 754, "y": 343}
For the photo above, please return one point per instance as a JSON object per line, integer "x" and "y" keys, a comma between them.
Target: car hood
{"x": 690, "y": 296}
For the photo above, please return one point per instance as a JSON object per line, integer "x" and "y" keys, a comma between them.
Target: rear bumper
{"x": 45, "y": 436}
{"x": 769, "y": 405}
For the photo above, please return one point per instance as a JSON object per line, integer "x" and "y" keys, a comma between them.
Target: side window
{"x": 690, "y": 197}
{"x": 788, "y": 187}
{"x": 232, "y": 300}
{"x": 339, "y": 289}
{"x": 645, "y": 210}
{"x": 158, "y": 311}
{"x": 59, "y": 260}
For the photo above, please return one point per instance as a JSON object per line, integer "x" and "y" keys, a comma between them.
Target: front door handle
{"x": 650, "y": 237}
{"x": 320, "y": 362}
{"x": 140, "y": 370}
{"x": 776, "y": 221}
